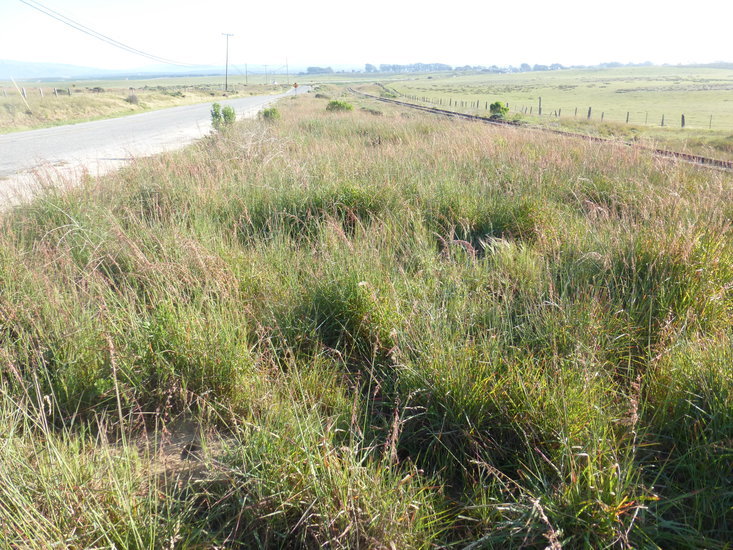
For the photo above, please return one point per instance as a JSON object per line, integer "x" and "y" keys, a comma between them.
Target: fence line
{"x": 684, "y": 157}
{"x": 698, "y": 121}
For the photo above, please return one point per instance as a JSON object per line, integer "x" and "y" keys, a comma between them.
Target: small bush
{"x": 336, "y": 105}
{"x": 132, "y": 99}
{"x": 271, "y": 114}
{"x": 228, "y": 115}
{"x": 216, "y": 116}
{"x": 323, "y": 96}
{"x": 498, "y": 109}
{"x": 220, "y": 118}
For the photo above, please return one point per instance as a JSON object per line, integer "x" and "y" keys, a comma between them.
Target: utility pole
{"x": 226, "y": 65}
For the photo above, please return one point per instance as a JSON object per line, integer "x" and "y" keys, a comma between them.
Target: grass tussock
{"x": 370, "y": 332}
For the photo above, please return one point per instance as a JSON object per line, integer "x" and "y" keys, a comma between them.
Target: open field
{"x": 371, "y": 329}
{"x": 645, "y": 93}
{"x": 80, "y": 101}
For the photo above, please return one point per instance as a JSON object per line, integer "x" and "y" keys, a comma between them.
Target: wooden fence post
{"x": 539, "y": 108}
{"x": 590, "y": 109}
{"x": 576, "y": 112}
{"x": 22, "y": 91}
{"x": 55, "y": 92}
{"x": 559, "y": 113}
{"x": 602, "y": 115}
{"x": 627, "y": 117}
{"x": 710, "y": 127}
{"x": 662, "y": 120}
{"x": 41, "y": 91}
{"x": 683, "y": 121}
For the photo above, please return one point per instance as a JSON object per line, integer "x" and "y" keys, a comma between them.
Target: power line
{"x": 99, "y": 36}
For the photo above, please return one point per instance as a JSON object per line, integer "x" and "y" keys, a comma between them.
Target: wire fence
{"x": 588, "y": 113}
{"x": 42, "y": 92}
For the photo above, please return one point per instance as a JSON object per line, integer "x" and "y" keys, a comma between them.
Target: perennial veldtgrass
{"x": 381, "y": 332}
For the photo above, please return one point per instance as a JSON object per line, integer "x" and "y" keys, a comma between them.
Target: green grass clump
{"x": 372, "y": 332}
{"x": 348, "y": 316}
{"x": 271, "y": 113}
{"x": 689, "y": 431}
{"x": 336, "y": 105}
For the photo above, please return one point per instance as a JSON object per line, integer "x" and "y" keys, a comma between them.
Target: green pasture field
{"x": 645, "y": 93}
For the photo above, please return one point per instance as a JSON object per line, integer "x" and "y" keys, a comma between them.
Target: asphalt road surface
{"x": 103, "y": 145}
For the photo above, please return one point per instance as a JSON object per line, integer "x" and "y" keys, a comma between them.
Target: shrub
{"x": 228, "y": 115}
{"x": 498, "y": 109}
{"x": 216, "y": 116}
{"x": 221, "y": 118}
{"x": 271, "y": 114}
{"x": 336, "y": 105}
{"x": 322, "y": 96}
{"x": 132, "y": 99}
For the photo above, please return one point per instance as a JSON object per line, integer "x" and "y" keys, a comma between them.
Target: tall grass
{"x": 371, "y": 332}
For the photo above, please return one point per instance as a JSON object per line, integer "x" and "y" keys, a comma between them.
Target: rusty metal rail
{"x": 684, "y": 157}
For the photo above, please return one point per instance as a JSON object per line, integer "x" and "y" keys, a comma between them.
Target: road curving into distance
{"x": 103, "y": 145}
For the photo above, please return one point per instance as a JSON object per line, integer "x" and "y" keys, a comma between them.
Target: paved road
{"x": 102, "y": 145}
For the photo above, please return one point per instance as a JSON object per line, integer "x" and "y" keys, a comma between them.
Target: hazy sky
{"x": 331, "y": 32}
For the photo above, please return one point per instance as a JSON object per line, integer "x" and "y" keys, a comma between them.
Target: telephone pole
{"x": 226, "y": 65}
